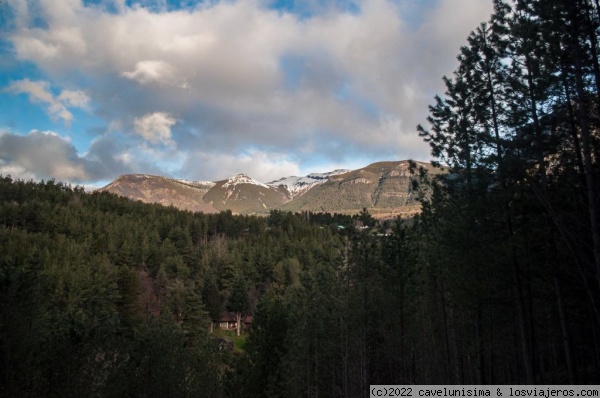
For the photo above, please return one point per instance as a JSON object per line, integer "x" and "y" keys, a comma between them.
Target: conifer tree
{"x": 238, "y": 301}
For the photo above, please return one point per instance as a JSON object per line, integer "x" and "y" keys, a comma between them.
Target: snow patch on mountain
{"x": 242, "y": 179}
{"x": 298, "y": 185}
{"x": 199, "y": 184}
{"x": 328, "y": 174}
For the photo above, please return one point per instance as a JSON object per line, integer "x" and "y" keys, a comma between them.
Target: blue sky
{"x": 203, "y": 90}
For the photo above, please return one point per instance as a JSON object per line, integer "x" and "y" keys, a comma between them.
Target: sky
{"x": 203, "y": 90}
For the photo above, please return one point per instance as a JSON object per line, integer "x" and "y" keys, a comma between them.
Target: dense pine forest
{"x": 496, "y": 281}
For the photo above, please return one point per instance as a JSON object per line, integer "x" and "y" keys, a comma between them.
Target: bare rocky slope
{"x": 383, "y": 187}
{"x": 182, "y": 194}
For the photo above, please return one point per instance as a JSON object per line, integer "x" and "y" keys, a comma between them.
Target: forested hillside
{"x": 100, "y": 295}
{"x": 497, "y": 281}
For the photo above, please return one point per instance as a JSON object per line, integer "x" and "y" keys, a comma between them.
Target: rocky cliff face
{"x": 384, "y": 188}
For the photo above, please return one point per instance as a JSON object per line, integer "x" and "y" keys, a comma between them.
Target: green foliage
{"x": 238, "y": 299}
{"x": 267, "y": 347}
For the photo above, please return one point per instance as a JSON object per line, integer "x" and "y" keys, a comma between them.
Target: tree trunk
{"x": 571, "y": 111}
{"x": 562, "y": 315}
{"x": 480, "y": 349}
{"x": 520, "y": 304}
{"x": 593, "y": 46}
{"x": 346, "y": 264}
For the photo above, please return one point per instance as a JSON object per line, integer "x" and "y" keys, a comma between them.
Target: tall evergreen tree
{"x": 238, "y": 301}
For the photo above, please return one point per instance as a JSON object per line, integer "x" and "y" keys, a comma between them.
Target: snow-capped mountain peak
{"x": 242, "y": 178}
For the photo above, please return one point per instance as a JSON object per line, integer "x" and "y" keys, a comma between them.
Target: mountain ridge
{"x": 298, "y": 185}
{"x": 382, "y": 187}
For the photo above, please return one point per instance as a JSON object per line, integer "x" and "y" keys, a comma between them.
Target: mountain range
{"x": 384, "y": 188}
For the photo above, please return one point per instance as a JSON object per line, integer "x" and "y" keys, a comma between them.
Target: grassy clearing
{"x": 238, "y": 341}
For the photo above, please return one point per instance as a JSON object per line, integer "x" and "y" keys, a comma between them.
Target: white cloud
{"x": 75, "y": 98}
{"x": 237, "y": 74}
{"x": 38, "y": 91}
{"x": 155, "y": 127}
{"x": 32, "y": 47}
{"x": 151, "y": 71}
{"x": 56, "y": 107}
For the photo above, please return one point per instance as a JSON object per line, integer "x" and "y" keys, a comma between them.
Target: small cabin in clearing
{"x": 227, "y": 321}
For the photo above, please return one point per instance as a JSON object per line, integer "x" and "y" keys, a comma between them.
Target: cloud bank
{"x": 240, "y": 83}
{"x": 45, "y": 155}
